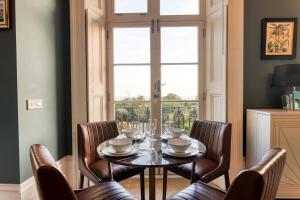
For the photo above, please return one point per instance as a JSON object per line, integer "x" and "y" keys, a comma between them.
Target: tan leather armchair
{"x": 261, "y": 182}
{"x": 90, "y": 135}
{"x": 52, "y": 184}
{"x": 216, "y": 162}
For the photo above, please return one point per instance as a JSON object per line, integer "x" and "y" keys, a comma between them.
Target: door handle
{"x": 158, "y": 86}
{"x": 158, "y": 26}
{"x": 156, "y": 96}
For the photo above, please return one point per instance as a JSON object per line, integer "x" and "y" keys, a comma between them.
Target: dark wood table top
{"x": 152, "y": 158}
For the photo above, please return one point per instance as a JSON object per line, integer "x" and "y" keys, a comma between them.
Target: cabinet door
{"x": 286, "y": 135}
{"x": 251, "y": 138}
{"x": 258, "y": 136}
{"x": 263, "y": 135}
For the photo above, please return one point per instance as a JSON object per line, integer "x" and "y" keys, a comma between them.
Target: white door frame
{"x": 234, "y": 77}
{"x": 156, "y": 65}
{"x": 78, "y": 75}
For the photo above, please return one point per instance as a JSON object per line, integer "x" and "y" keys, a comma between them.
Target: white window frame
{"x": 110, "y": 50}
{"x": 153, "y": 13}
{"x": 152, "y": 20}
{"x": 201, "y": 62}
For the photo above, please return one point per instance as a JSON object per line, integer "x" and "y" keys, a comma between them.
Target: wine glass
{"x": 136, "y": 125}
{"x": 153, "y": 126}
{"x": 167, "y": 128}
{"x": 150, "y": 131}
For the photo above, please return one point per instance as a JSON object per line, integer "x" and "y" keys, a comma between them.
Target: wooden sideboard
{"x": 276, "y": 128}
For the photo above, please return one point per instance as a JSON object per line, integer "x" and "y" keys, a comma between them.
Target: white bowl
{"x": 130, "y": 132}
{"x": 176, "y": 132}
{"x": 179, "y": 145}
{"x": 120, "y": 144}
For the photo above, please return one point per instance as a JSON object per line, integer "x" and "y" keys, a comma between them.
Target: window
{"x": 179, "y": 44}
{"x": 179, "y": 7}
{"x": 179, "y": 82}
{"x": 131, "y": 45}
{"x": 127, "y": 78}
{"x": 155, "y": 62}
{"x": 130, "y": 6}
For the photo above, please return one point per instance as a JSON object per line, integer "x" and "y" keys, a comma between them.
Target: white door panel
{"x": 214, "y": 5}
{"x": 97, "y": 100}
{"x": 216, "y": 66}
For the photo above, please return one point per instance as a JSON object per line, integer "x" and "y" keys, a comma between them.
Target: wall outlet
{"x": 33, "y": 104}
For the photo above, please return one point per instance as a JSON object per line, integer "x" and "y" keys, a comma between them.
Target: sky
{"x": 167, "y": 7}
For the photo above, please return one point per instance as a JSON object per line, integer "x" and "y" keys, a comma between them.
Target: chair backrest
{"x": 261, "y": 182}
{"x": 50, "y": 181}
{"x": 90, "y": 135}
{"x": 217, "y": 138}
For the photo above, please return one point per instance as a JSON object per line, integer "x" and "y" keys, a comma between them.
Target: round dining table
{"x": 150, "y": 155}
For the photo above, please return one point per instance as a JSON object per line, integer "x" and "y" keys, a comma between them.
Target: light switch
{"x": 33, "y": 104}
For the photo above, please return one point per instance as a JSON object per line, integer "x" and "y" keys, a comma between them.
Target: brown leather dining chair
{"x": 260, "y": 182}
{"x": 52, "y": 184}
{"x": 216, "y": 136}
{"x": 90, "y": 135}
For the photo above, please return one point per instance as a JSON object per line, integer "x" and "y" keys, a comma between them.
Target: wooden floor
{"x": 175, "y": 184}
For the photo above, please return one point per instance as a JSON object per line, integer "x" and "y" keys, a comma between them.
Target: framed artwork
{"x": 279, "y": 38}
{"x": 4, "y": 14}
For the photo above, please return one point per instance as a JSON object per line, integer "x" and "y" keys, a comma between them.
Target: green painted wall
{"x": 34, "y": 63}
{"x": 9, "y": 144}
{"x": 258, "y": 73}
{"x": 43, "y": 60}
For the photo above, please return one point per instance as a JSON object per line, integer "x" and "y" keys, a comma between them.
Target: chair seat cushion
{"x": 120, "y": 172}
{"x": 203, "y": 166}
{"x": 109, "y": 190}
{"x": 199, "y": 191}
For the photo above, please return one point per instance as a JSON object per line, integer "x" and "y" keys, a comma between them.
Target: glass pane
{"x": 131, "y": 45}
{"x": 131, "y": 6}
{"x": 179, "y": 7}
{"x": 179, "y": 44}
{"x": 132, "y": 83}
{"x": 126, "y": 112}
{"x": 179, "y": 82}
{"x": 180, "y": 115}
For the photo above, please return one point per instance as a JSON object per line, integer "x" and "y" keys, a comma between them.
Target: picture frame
{"x": 279, "y": 38}
{"x": 4, "y": 14}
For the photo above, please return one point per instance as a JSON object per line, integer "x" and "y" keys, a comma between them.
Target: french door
{"x": 156, "y": 71}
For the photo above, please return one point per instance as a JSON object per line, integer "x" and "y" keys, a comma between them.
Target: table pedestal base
{"x": 151, "y": 183}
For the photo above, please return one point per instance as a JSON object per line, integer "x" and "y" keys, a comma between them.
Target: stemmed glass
{"x": 150, "y": 131}
{"x": 136, "y": 125}
{"x": 167, "y": 128}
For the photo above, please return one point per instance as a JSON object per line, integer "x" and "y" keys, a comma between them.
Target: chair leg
{"x": 165, "y": 178}
{"x": 142, "y": 184}
{"x": 81, "y": 181}
{"x": 227, "y": 182}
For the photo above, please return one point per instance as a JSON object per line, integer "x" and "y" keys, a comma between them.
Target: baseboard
{"x": 10, "y": 191}
{"x": 26, "y": 185}
{"x": 17, "y": 191}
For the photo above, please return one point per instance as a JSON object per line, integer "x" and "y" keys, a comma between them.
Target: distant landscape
{"x": 176, "y": 114}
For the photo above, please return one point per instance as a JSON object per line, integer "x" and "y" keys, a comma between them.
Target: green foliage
{"x": 178, "y": 114}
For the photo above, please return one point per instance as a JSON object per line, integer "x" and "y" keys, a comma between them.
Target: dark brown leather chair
{"x": 90, "y": 135}
{"x": 216, "y": 162}
{"x": 52, "y": 184}
{"x": 261, "y": 182}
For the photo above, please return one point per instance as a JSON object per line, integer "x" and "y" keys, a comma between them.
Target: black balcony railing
{"x": 180, "y": 116}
